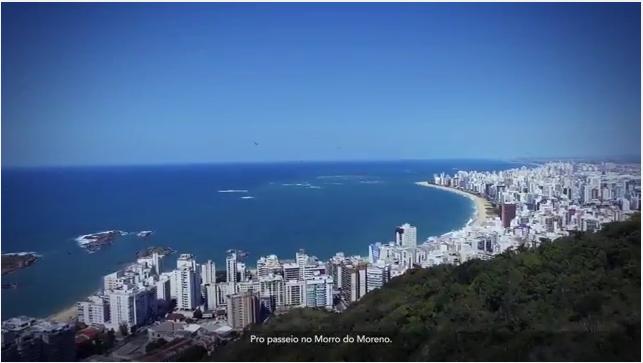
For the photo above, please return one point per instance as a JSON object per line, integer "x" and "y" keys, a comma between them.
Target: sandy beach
{"x": 65, "y": 316}
{"x": 484, "y": 209}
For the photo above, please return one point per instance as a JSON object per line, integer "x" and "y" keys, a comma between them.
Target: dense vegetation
{"x": 577, "y": 298}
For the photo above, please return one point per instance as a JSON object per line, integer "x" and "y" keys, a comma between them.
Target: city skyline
{"x": 118, "y": 84}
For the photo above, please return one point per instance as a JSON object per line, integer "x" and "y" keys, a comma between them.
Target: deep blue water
{"x": 357, "y": 203}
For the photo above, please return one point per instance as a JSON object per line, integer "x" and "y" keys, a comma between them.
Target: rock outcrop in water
{"x": 12, "y": 262}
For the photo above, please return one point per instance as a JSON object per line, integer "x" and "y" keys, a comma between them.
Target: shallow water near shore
{"x": 322, "y": 207}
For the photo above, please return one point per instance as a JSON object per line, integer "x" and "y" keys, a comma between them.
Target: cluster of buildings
{"x": 27, "y": 339}
{"x": 189, "y": 302}
{"x": 142, "y": 292}
{"x": 545, "y": 202}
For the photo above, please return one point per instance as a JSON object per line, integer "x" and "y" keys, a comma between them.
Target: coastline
{"x": 481, "y": 205}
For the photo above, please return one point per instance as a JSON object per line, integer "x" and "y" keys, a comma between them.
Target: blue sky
{"x": 90, "y": 84}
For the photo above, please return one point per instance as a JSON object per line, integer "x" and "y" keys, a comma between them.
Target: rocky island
{"x": 12, "y": 262}
{"x": 95, "y": 241}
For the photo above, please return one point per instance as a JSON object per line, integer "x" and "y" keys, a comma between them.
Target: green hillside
{"x": 577, "y": 298}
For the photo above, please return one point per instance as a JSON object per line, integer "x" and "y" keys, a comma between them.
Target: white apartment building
{"x": 319, "y": 292}
{"x": 273, "y": 285}
{"x": 208, "y": 273}
{"x": 294, "y": 293}
{"x": 231, "y": 267}
{"x": 291, "y": 271}
{"x": 186, "y": 287}
{"x": 94, "y": 310}
{"x": 131, "y": 306}
{"x": 406, "y": 235}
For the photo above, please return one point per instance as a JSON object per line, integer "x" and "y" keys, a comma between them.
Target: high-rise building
{"x": 406, "y": 235}
{"x": 94, "y": 310}
{"x": 243, "y": 310}
{"x": 186, "y": 260}
{"x": 208, "y": 273}
{"x": 267, "y": 265}
{"x": 293, "y": 294}
{"x": 211, "y": 296}
{"x": 164, "y": 289}
{"x": 131, "y": 306}
{"x": 224, "y": 289}
{"x": 313, "y": 269}
{"x": 374, "y": 252}
{"x": 113, "y": 280}
{"x": 319, "y": 292}
{"x": 302, "y": 259}
{"x": 187, "y": 288}
{"x": 241, "y": 271}
{"x": 361, "y": 275}
{"x": 273, "y": 285}
{"x": 353, "y": 281}
{"x": 507, "y": 214}
{"x": 377, "y": 276}
{"x": 231, "y": 267}
{"x": 291, "y": 271}
{"x": 153, "y": 261}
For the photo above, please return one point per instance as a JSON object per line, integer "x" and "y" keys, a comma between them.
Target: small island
{"x": 12, "y": 262}
{"x": 95, "y": 241}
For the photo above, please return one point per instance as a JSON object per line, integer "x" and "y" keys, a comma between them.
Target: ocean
{"x": 322, "y": 207}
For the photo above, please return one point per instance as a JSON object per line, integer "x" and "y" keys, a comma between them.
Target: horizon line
{"x": 625, "y": 158}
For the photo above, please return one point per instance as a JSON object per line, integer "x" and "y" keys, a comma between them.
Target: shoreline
{"x": 481, "y": 205}
{"x": 67, "y": 315}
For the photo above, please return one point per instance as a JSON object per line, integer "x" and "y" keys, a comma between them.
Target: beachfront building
{"x": 94, "y": 310}
{"x": 406, "y": 235}
{"x": 131, "y": 306}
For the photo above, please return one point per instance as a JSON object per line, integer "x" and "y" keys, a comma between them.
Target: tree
{"x": 197, "y": 314}
{"x": 110, "y": 337}
{"x": 122, "y": 328}
{"x": 151, "y": 346}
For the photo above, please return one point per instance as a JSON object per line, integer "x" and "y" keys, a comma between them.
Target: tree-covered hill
{"x": 577, "y": 298}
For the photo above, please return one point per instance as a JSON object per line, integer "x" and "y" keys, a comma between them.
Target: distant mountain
{"x": 577, "y": 298}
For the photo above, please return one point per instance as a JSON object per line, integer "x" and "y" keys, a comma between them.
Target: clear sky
{"x": 172, "y": 83}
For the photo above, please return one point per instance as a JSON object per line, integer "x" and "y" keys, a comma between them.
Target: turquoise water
{"x": 340, "y": 207}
